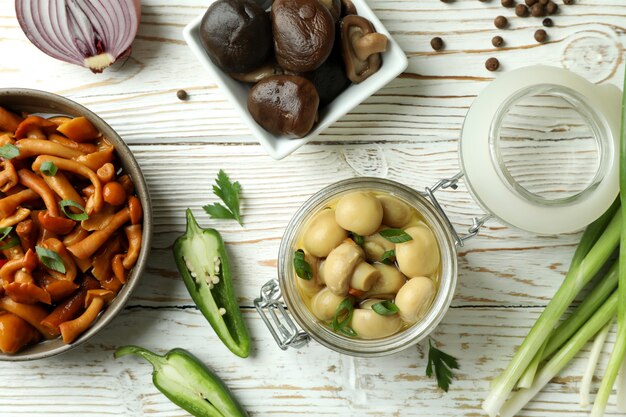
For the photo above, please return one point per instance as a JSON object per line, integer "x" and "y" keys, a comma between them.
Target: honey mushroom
{"x": 370, "y": 325}
{"x": 415, "y": 298}
{"x": 419, "y": 256}
{"x": 323, "y": 234}
{"x": 359, "y": 212}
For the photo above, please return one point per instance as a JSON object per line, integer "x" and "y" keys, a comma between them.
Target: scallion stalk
{"x": 619, "y": 349}
{"x": 574, "y": 281}
{"x": 592, "y": 363}
{"x": 592, "y": 302}
{"x": 621, "y": 389}
{"x": 526, "y": 381}
{"x": 561, "y": 358}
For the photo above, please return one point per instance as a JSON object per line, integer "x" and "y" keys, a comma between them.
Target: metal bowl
{"x": 35, "y": 101}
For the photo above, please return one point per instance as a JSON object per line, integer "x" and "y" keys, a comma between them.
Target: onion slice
{"x": 91, "y": 33}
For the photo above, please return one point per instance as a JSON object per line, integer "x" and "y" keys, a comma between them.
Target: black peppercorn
{"x": 522, "y": 10}
{"x": 501, "y": 22}
{"x": 543, "y": 2}
{"x": 508, "y": 3}
{"x": 531, "y": 3}
{"x": 492, "y": 64}
{"x": 436, "y": 43}
{"x": 547, "y": 22}
{"x": 552, "y": 8}
{"x": 541, "y": 35}
{"x": 182, "y": 95}
{"x": 568, "y": 2}
{"x": 497, "y": 41}
{"x": 538, "y": 10}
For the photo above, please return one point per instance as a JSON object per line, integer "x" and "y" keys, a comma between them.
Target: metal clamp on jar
{"x": 538, "y": 151}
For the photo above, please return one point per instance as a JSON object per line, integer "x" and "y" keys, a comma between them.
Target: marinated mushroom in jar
{"x": 237, "y": 35}
{"x": 358, "y": 286}
{"x": 284, "y": 105}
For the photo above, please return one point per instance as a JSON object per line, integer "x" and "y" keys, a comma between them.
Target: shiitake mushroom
{"x": 237, "y": 35}
{"x": 284, "y": 105}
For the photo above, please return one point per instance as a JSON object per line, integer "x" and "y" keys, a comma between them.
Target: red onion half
{"x": 91, "y": 33}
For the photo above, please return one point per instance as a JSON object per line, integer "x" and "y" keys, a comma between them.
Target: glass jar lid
{"x": 539, "y": 149}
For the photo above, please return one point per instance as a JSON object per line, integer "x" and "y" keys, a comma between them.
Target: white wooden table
{"x": 407, "y": 132}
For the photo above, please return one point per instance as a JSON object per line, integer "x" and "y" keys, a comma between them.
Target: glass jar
{"x": 320, "y": 331}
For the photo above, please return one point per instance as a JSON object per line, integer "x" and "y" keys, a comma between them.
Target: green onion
{"x": 599, "y": 319}
{"x": 592, "y": 363}
{"x": 619, "y": 349}
{"x": 74, "y": 216}
{"x": 5, "y": 232}
{"x": 50, "y": 259}
{"x": 385, "y": 308}
{"x": 528, "y": 377}
{"x": 302, "y": 267}
{"x": 574, "y": 281}
{"x": 358, "y": 239}
{"x": 388, "y": 257}
{"x": 342, "y": 317}
{"x": 9, "y": 151}
{"x": 48, "y": 168}
{"x": 395, "y": 235}
{"x": 14, "y": 241}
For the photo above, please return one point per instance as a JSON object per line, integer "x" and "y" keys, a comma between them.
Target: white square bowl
{"x": 394, "y": 63}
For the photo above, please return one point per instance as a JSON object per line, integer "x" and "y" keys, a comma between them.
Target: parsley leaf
{"x": 229, "y": 193}
{"x": 443, "y": 365}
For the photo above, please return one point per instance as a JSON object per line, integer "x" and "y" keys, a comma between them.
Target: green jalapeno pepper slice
{"x": 202, "y": 262}
{"x": 188, "y": 383}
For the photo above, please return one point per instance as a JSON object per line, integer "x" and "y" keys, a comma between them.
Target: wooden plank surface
{"x": 407, "y": 132}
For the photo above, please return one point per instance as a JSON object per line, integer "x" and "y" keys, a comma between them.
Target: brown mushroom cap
{"x": 236, "y": 35}
{"x": 304, "y": 33}
{"x": 361, "y": 46}
{"x": 284, "y": 105}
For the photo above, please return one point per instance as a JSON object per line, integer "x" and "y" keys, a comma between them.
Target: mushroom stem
{"x": 372, "y": 43}
{"x": 70, "y": 330}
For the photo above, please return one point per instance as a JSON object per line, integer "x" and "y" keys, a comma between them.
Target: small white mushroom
{"x": 389, "y": 283}
{"x": 419, "y": 256}
{"x": 414, "y": 299}
{"x": 323, "y": 234}
{"x": 370, "y": 325}
{"x": 375, "y": 246}
{"x": 364, "y": 277}
{"x": 339, "y": 266}
{"x": 313, "y": 285}
{"x": 359, "y": 212}
{"x": 324, "y": 304}
{"x": 396, "y": 213}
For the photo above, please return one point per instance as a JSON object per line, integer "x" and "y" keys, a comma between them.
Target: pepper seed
{"x": 508, "y": 3}
{"x": 547, "y": 22}
{"x": 522, "y": 10}
{"x": 541, "y": 35}
{"x": 182, "y": 95}
{"x": 538, "y": 10}
{"x": 492, "y": 64}
{"x": 552, "y": 8}
{"x": 497, "y": 41}
{"x": 501, "y": 22}
{"x": 436, "y": 43}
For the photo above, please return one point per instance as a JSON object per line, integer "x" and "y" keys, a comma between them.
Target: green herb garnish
{"x": 50, "y": 259}
{"x": 385, "y": 308}
{"x": 229, "y": 193}
{"x": 443, "y": 365}
{"x": 48, "y": 168}
{"x": 9, "y": 151}
{"x": 395, "y": 235}
{"x": 388, "y": 257}
{"x": 358, "y": 239}
{"x": 302, "y": 267}
{"x": 74, "y": 216}
{"x": 342, "y": 318}
{"x": 14, "y": 241}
